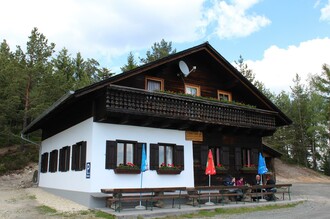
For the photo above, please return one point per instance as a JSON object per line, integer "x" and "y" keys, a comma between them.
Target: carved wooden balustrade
{"x": 185, "y": 108}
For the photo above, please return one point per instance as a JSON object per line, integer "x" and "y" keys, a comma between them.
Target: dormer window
{"x": 192, "y": 90}
{"x": 154, "y": 84}
{"x": 224, "y": 96}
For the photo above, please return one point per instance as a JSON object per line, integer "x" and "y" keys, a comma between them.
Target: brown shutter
{"x": 67, "y": 158}
{"x": 83, "y": 146}
{"x": 111, "y": 155}
{"x": 254, "y": 156}
{"x": 74, "y": 157}
{"x": 179, "y": 156}
{"x": 61, "y": 163}
{"x": 138, "y": 154}
{"x": 238, "y": 158}
{"x": 224, "y": 156}
{"x": 204, "y": 150}
{"x": 154, "y": 156}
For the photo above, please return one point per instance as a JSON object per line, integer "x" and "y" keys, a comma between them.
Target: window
{"x": 121, "y": 152}
{"x": 224, "y": 96}
{"x": 53, "y": 161}
{"x": 192, "y": 90}
{"x": 166, "y": 153}
{"x": 154, "y": 84}
{"x": 64, "y": 159}
{"x": 246, "y": 157}
{"x": 220, "y": 155}
{"x": 124, "y": 153}
{"x": 44, "y": 163}
{"x": 79, "y": 156}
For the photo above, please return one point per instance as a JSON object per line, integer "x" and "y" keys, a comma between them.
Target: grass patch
{"x": 46, "y": 210}
{"x": 102, "y": 214}
{"x": 230, "y": 211}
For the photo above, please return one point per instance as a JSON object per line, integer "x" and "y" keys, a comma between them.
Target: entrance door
{"x": 200, "y": 157}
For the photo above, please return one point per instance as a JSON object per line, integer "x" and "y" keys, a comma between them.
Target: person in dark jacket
{"x": 270, "y": 181}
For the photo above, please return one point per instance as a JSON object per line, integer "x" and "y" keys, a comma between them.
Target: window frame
{"x": 160, "y": 80}
{"x": 178, "y": 155}
{"x": 125, "y": 151}
{"x": 111, "y": 153}
{"x": 222, "y": 92}
{"x": 197, "y": 87}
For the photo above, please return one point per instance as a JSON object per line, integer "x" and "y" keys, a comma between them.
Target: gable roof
{"x": 204, "y": 47}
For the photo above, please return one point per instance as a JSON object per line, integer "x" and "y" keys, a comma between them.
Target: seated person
{"x": 257, "y": 181}
{"x": 239, "y": 182}
{"x": 270, "y": 181}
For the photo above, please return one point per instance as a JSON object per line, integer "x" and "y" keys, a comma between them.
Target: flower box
{"x": 168, "y": 171}
{"x": 127, "y": 171}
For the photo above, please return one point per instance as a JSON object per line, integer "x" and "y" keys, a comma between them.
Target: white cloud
{"x": 233, "y": 20}
{"x": 105, "y": 28}
{"x": 280, "y": 65}
{"x": 325, "y": 12}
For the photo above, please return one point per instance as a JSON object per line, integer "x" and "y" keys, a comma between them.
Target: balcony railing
{"x": 185, "y": 108}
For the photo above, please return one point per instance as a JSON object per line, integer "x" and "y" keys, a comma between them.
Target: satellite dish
{"x": 184, "y": 68}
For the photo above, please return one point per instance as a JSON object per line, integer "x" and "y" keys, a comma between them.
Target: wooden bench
{"x": 199, "y": 193}
{"x": 147, "y": 195}
{"x": 259, "y": 191}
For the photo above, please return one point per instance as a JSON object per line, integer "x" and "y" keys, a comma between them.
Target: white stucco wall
{"x": 70, "y": 180}
{"x": 103, "y": 178}
{"x": 96, "y": 135}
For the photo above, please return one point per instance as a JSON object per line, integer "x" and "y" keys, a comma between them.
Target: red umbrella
{"x": 210, "y": 168}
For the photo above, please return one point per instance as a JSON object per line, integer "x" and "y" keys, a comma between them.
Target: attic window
{"x": 154, "y": 84}
{"x": 192, "y": 90}
{"x": 224, "y": 96}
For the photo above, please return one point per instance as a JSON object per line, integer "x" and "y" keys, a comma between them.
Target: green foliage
{"x": 131, "y": 63}
{"x": 158, "y": 51}
{"x": 17, "y": 159}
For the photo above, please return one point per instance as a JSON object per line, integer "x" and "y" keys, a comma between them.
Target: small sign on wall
{"x": 88, "y": 170}
{"x": 194, "y": 136}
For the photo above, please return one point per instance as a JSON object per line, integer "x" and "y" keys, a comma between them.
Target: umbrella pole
{"x": 140, "y": 206}
{"x": 209, "y": 202}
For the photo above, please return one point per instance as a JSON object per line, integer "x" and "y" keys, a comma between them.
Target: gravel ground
{"x": 20, "y": 199}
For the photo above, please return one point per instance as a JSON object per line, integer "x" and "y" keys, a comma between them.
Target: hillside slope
{"x": 289, "y": 173}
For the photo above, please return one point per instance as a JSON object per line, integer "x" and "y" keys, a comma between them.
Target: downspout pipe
{"x": 32, "y": 142}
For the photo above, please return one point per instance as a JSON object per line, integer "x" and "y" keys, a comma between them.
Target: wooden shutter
{"x": 67, "y": 158}
{"x": 44, "y": 162}
{"x": 224, "y": 156}
{"x": 254, "y": 156}
{"x": 138, "y": 153}
{"x": 238, "y": 158}
{"x": 154, "y": 156}
{"x": 62, "y": 162}
{"x": 74, "y": 157}
{"x": 111, "y": 155}
{"x": 179, "y": 156}
{"x": 83, "y": 157}
{"x": 204, "y": 150}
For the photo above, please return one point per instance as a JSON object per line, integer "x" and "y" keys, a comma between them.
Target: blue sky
{"x": 277, "y": 38}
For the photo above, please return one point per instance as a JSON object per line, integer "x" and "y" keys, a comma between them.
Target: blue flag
{"x": 262, "y": 169}
{"x": 144, "y": 163}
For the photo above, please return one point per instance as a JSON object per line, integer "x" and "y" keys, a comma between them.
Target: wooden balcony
{"x": 182, "y": 111}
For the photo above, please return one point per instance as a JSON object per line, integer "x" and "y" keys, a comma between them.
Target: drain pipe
{"x": 36, "y": 176}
